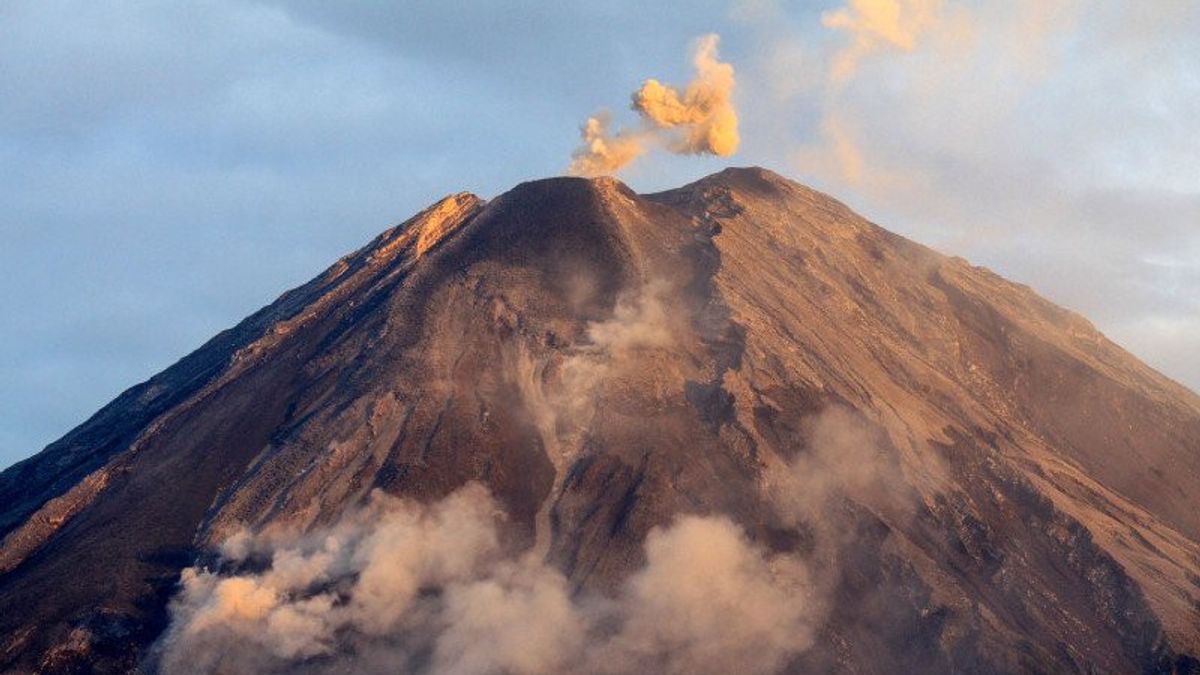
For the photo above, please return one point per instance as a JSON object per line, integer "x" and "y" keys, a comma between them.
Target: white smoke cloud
{"x": 398, "y": 586}
{"x": 699, "y": 119}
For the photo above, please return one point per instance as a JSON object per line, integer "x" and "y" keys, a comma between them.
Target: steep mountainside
{"x": 981, "y": 481}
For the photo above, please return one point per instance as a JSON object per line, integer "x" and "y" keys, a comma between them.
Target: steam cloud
{"x": 401, "y": 587}
{"x": 700, "y": 119}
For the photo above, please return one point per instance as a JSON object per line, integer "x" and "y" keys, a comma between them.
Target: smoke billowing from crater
{"x": 604, "y": 151}
{"x": 698, "y": 119}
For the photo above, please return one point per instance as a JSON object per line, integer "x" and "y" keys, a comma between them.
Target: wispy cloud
{"x": 1047, "y": 140}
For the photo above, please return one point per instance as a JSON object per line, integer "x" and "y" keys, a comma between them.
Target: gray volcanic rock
{"x": 603, "y": 361}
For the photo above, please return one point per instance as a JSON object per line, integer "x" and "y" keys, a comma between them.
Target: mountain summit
{"x": 865, "y": 455}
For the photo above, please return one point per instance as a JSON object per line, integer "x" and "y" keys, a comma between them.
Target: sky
{"x": 169, "y": 167}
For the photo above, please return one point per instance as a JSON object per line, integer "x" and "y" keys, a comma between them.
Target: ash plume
{"x": 604, "y": 151}
{"x": 698, "y": 118}
{"x": 878, "y": 25}
{"x": 872, "y": 28}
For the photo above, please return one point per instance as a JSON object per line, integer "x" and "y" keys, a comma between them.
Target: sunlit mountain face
{"x": 730, "y": 427}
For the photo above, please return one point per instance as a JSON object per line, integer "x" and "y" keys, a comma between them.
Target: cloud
{"x": 699, "y": 119}
{"x": 877, "y": 25}
{"x": 873, "y": 28}
{"x": 429, "y": 589}
{"x": 1046, "y": 140}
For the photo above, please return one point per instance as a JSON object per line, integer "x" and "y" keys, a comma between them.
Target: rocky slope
{"x": 981, "y": 480}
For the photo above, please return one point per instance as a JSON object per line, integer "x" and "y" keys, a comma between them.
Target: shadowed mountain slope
{"x": 604, "y": 361}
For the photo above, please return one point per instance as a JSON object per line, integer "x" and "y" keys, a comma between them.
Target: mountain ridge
{"x": 602, "y": 361}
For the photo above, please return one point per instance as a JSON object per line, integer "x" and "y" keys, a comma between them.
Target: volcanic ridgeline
{"x": 603, "y": 362}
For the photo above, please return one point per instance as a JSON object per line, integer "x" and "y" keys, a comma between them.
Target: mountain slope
{"x": 603, "y": 361}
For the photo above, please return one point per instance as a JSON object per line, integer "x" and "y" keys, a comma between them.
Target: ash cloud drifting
{"x": 700, "y": 118}
{"x": 430, "y": 589}
{"x": 877, "y": 26}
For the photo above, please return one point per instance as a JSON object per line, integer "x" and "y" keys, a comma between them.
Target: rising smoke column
{"x": 699, "y": 119}
{"x": 603, "y": 151}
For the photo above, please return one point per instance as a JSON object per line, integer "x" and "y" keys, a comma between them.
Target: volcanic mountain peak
{"x": 973, "y": 478}
{"x": 441, "y": 219}
{"x": 750, "y": 178}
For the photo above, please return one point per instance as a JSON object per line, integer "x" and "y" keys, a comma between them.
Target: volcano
{"x": 974, "y": 479}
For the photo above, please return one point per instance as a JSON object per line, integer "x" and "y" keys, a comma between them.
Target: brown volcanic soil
{"x": 1045, "y": 515}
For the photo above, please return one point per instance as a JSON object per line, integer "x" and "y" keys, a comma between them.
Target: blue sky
{"x": 170, "y": 167}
